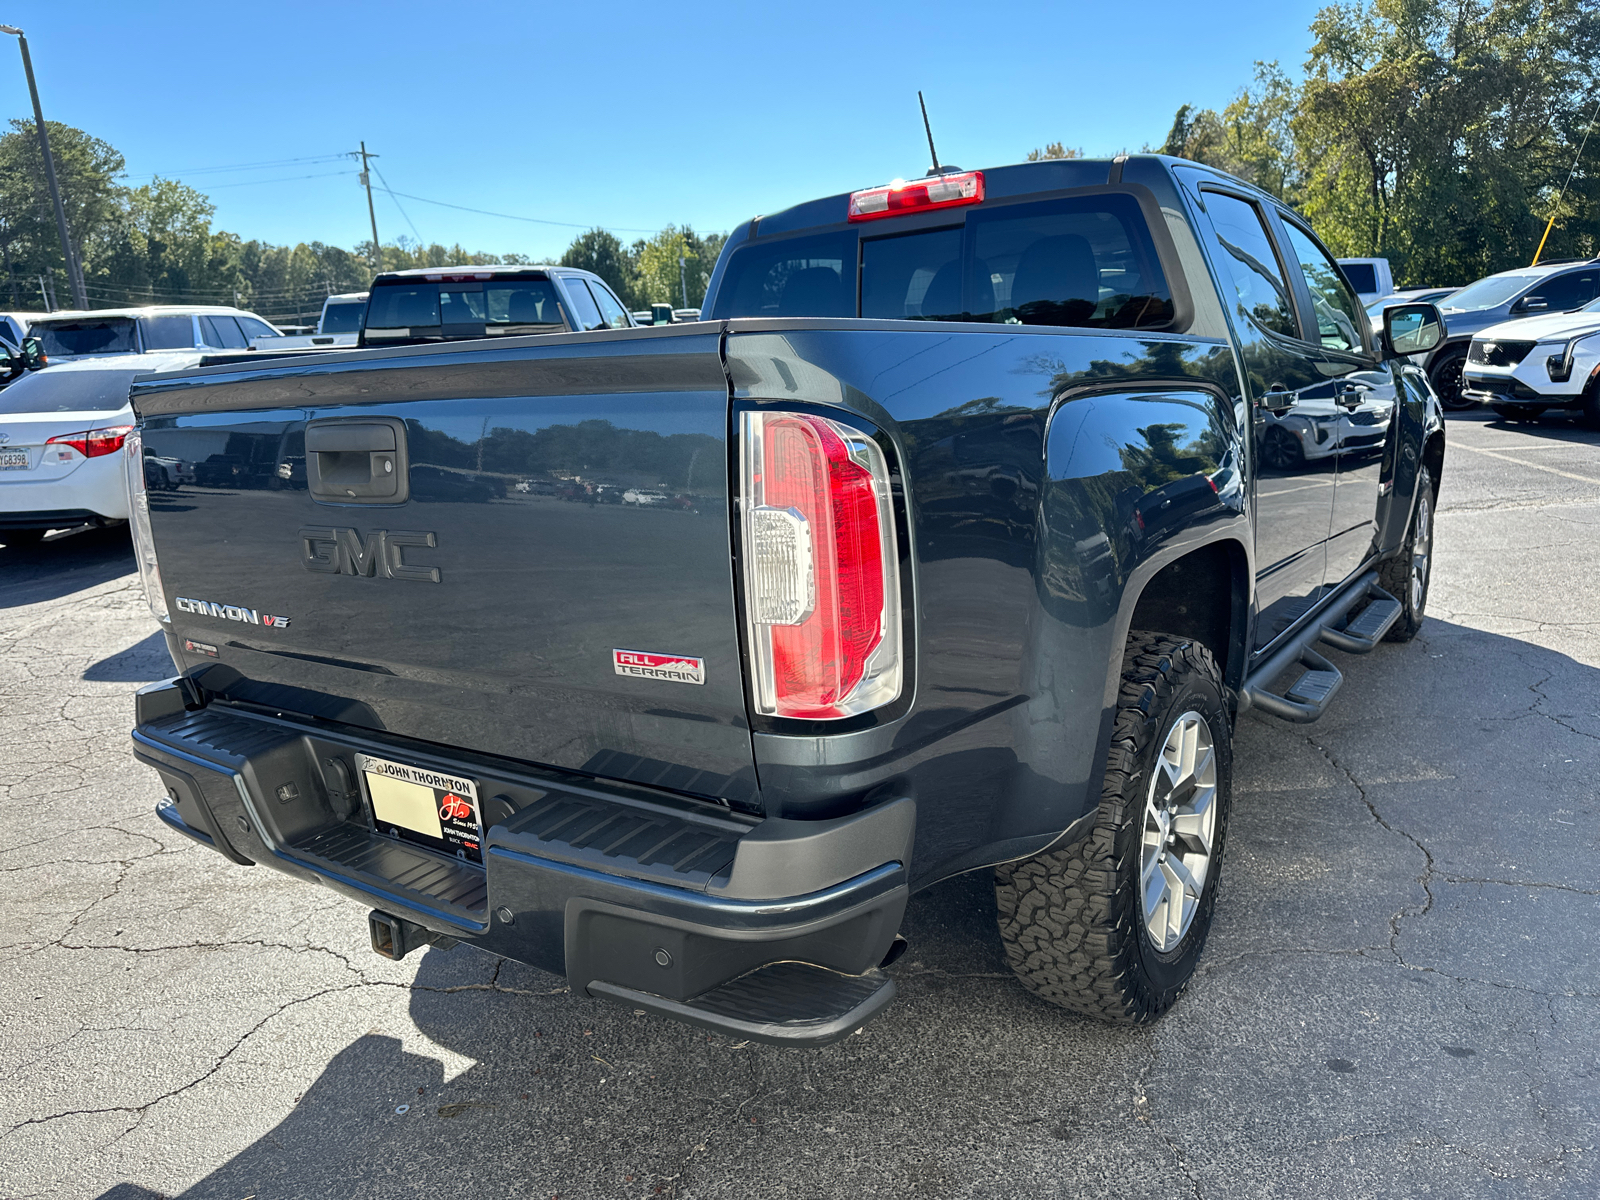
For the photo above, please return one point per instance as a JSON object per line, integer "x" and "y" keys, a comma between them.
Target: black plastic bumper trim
{"x": 169, "y": 814}
{"x": 698, "y": 905}
{"x": 773, "y": 1032}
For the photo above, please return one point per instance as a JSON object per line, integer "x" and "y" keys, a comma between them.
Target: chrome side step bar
{"x": 1309, "y": 696}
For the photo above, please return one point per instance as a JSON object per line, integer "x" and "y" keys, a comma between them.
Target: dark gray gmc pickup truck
{"x": 956, "y": 536}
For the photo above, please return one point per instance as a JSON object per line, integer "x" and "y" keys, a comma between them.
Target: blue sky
{"x": 618, "y": 114}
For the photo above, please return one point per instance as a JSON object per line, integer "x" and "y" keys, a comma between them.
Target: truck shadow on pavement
{"x": 143, "y": 662}
{"x": 62, "y": 565}
{"x": 1358, "y": 985}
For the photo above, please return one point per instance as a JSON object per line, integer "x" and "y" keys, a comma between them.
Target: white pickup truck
{"x": 338, "y": 325}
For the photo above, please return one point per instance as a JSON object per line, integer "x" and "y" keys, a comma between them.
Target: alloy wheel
{"x": 1179, "y": 830}
{"x": 1421, "y": 549}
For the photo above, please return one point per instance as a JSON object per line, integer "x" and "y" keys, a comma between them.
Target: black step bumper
{"x": 660, "y": 901}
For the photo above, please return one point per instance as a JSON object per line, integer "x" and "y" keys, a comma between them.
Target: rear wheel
{"x": 1406, "y": 576}
{"x": 1517, "y": 412}
{"x": 1113, "y": 926}
{"x": 1448, "y": 380}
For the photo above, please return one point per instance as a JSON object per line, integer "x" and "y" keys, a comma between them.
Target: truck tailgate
{"x": 563, "y": 501}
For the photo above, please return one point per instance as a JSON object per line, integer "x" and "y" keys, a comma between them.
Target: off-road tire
{"x": 19, "y": 538}
{"x": 1517, "y": 412}
{"x": 1396, "y": 575}
{"x": 1071, "y": 919}
{"x": 1448, "y": 378}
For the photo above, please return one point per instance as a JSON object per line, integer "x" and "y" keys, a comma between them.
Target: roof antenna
{"x": 934, "y": 153}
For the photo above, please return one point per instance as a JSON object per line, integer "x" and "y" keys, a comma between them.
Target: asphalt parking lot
{"x": 1401, "y": 996}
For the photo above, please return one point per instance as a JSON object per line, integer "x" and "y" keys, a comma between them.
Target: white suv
{"x": 69, "y": 335}
{"x": 1522, "y": 368}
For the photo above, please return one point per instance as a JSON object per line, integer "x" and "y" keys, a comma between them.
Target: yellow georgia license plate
{"x": 427, "y": 807}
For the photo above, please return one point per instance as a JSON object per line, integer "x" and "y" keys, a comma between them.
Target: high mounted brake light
{"x": 917, "y": 195}
{"x": 822, "y": 571}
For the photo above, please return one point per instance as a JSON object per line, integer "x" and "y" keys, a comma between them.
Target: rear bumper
{"x": 647, "y": 898}
{"x": 96, "y": 485}
{"x": 60, "y": 518}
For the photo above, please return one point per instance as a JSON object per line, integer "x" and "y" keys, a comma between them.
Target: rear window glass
{"x": 168, "y": 333}
{"x": 796, "y": 277}
{"x": 402, "y": 306}
{"x": 502, "y": 306}
{"x": 342, "y": 318}
{"x": 521, "y": 302}
{"x": 1362, "y": 276}
{"x": 1082, "y": 262}
{"x": 49, "y": 391}
{"x": 112, "y": 335}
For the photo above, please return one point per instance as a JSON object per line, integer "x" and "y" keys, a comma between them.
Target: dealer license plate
{"x": 13, "y": 458}
{"x": 427, "y": 807}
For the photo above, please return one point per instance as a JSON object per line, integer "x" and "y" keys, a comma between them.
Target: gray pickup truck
{"x": 980, "y": 507}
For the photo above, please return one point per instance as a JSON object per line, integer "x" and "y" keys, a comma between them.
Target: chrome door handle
{"x": 1348, "y": 395}
{"x": 1277, "y": 401}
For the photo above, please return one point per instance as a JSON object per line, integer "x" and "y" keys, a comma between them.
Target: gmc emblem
{"x": 379, "y": 555}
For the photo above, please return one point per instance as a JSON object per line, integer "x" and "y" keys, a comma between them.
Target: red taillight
{"x": 95, "y": 442}
{"x": 821, "y": 567}
{"x": 917, "y": 195}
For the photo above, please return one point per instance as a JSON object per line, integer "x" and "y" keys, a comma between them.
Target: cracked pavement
{"x": 1401, "y": 995}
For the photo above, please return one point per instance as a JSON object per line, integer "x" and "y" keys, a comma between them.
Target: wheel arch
{"x": 1202, "y": 594}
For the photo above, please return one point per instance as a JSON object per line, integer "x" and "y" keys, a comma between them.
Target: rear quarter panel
{"x": 1047, "y": 475}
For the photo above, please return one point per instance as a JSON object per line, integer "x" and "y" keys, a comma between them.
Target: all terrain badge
{"x": 673, "y": 668}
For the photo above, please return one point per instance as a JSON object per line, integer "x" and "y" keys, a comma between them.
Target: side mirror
{"x": 1411, "y": 329}
{"x": 1530, "y": 304}
{"x": 33, "y": 355}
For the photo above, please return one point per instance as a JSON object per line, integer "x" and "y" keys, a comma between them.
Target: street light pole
{"x": 74, "y": 272}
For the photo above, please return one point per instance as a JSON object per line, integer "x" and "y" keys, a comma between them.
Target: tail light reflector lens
{"x": 822, "y": 572}
{"x": 95, "y": 443}
{"x": 917, "y": 195}
{"x": 144, "y": 545}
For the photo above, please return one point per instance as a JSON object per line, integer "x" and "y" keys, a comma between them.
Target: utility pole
{"x": 74, "y": 272}
{"x": 683, "y": 281}
{"x": 366, "y": 182}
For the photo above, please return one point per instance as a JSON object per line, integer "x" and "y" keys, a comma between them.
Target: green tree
{"x": 30, "y": 246}
{"x": 1438, "y": 133}
{"x": 1054, "y": 150}
{"x": 660, "y": 280}
{"x": 1251, "y": 138}
{"x": 605, "y": 255}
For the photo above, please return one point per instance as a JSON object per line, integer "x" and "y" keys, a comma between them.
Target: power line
{"x": 211, "y": 187}
{"x": 403, "y": 212}
{"x": 483, "y": 212}
{"x": 256, "y": 166}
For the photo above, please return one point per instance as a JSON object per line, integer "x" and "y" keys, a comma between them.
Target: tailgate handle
{"x": 358, "y": 461}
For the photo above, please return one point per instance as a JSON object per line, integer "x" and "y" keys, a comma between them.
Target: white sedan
{"x": 62, "y": 435}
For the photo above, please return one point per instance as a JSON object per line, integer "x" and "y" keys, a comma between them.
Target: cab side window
{"x": 1563, "y": 292}
{"x": 1250, "y": 261}
{"x": 1339, "y": 315}
{"x": 583, "y": 305}
{"x": 610, "y": 308}
{"x": 222, "y": 332}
